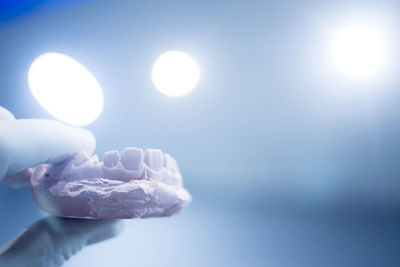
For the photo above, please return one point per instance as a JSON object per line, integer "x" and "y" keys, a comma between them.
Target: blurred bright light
{"x": 360, "y": 51}
{"x": 175, "y": 73}
{"x": 65, "y": 88}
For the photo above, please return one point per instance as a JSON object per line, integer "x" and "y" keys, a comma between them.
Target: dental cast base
{"x": 130, "y": 184}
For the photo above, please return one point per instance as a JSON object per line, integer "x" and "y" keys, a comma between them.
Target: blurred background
{"x": 288, "y": 141}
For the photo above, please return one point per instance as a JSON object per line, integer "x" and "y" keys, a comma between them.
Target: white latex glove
{"x": 25, "y": 144}
{"x": 51, "y": 241}
{"x": 30, "y": 142}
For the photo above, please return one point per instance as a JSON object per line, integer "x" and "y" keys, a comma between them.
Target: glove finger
{"x": 27, "y": 143}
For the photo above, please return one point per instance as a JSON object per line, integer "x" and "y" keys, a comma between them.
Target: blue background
{"x": 288, "y": 163}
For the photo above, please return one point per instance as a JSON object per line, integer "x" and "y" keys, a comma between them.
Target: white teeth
{"x": 95, "y": 159}
{"x": 154, "y": 158}
{"x": 111, "y": 158}
{"x": 132, "y": 158}
{"x": 80, "y": 158}
{"x": 170, "y": 163}
{"x": 167, "y": 160}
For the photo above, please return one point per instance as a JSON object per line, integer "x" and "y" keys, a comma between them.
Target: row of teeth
{"x": 132, "y": 158}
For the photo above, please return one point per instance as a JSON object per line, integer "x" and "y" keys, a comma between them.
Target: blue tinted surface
{"x": 288, "y": 164}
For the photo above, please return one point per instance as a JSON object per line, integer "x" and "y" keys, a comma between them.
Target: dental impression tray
{"x": 130, "y": 184}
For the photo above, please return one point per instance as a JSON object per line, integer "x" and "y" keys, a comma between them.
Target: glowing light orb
{"x": 65, "y": 88}
{"x": 175, "y": 73}
{"x": 359, "y": 51}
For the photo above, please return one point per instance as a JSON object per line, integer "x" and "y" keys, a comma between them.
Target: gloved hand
{"x": 23, "y": 145}
{"x": 27, "y": 143}
{"x": 51, "y": 241}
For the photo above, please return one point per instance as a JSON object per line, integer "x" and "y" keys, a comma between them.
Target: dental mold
{"x": 130, "y": 184}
